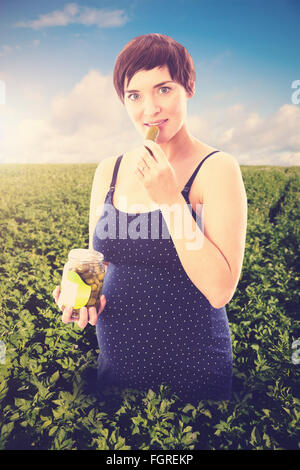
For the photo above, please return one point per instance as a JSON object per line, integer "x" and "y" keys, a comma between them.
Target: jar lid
{"x": 87, "y": 255}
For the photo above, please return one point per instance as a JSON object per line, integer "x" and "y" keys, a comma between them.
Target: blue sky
{"x": 246, "y": 55}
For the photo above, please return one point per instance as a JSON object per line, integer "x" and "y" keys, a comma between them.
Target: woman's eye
{"x": 133, "y": 96}
{"x": 165, "y": 90}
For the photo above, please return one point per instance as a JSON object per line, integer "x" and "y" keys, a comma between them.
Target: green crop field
{"x": 46, "y": 367}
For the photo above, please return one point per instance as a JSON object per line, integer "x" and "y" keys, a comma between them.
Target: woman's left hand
{"x": 157, "y": 175}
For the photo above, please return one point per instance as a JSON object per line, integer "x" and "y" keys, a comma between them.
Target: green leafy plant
{"x": 47, "y": 399}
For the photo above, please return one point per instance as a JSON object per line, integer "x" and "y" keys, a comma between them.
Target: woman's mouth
{"x": 159, "y": 123}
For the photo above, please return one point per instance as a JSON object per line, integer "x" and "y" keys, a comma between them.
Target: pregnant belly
{"x": 154, "y": 309}
{"x": 154, "y": 321}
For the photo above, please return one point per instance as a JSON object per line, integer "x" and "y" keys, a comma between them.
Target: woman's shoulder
{"x": 214, "y": 168}
{"x": 227, "y": 158}
{"x": 217, "y": 161}
{"x": 220, "y": 171}
{"x": 107, "y": 164}
{"x": 215, "y": 155}
{"x": 221, "y": 165}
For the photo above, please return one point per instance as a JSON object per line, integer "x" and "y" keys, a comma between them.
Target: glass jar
{"x": 82, "y": 279}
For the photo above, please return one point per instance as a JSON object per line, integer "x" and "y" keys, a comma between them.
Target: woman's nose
{"x": 151, "y": 107}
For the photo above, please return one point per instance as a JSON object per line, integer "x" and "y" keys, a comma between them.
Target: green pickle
{"x": 93, "y": 277}
{"x": 152, "y": 133}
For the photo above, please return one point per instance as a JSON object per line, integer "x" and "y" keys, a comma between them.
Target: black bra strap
{"x": 114, "y": 176}
{"x": 190, "y": 181}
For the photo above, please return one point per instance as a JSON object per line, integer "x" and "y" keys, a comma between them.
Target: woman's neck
{"x": 180, "y": 147}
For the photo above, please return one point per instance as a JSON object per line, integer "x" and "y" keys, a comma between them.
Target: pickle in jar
{"x": 94, "y": 281}
{"x": 82, "y": 279}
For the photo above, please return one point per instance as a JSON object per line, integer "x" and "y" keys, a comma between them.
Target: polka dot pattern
{"x": 157, "y": 327}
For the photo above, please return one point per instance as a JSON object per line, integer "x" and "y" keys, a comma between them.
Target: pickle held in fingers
{"x": 152, "y": 133}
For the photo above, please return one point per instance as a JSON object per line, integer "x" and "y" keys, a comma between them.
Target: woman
{"x": 162, "y": 315}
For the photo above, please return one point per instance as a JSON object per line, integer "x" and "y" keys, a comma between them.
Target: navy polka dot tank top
{"x": 157, "y": 327}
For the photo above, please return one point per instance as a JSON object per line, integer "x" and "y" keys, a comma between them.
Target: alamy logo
{"x": 2, "y": 352}
{"x": 296, "y": 354}
{"x": 296, "y": 95}
{"x": 140, "y": 227}
{"x": 2, "y": 92}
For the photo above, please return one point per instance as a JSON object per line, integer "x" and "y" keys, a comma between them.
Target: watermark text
{"x": 296, "y": 354}
{"x": 137, "y": 222}
{"x": 296, "y": 95}
{"x": 2, "y": 352}
{"x": 2, "y": 92}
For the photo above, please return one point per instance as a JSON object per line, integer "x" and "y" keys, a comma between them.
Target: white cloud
{"x": 252, "y": 139}
{"x": 74, "y": 13}
{"x": 6, "y": 49}
{"x": 90, "y": 124}
{"x": 86, "y": 125}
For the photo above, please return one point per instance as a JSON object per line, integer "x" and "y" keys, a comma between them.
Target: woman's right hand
{"x": 86, "y": 315}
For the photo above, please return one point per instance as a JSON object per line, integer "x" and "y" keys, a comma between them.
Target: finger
{"x": 56, "y": 293}
{"x": 83, "y": 318}
{"x": 59, "y": 302}
{"x": 142, "y": 166}
{"x": 153, "y": 150}
{"x": 151, "y": 153}
{"x": 67, "y": 314}
{"x": 145, "y": 165}
{"x": 93, "y": 316}
{"x": 102, "y": 304}
{"x": 148, "y": 160}
{"x": 143, "y": 170}
{"x": 139, "y": 174}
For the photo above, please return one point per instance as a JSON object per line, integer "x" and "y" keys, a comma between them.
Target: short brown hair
{"x": 149, "y": 51}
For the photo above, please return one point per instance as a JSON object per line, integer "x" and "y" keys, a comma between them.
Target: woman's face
{"x": 152, "y": 97}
